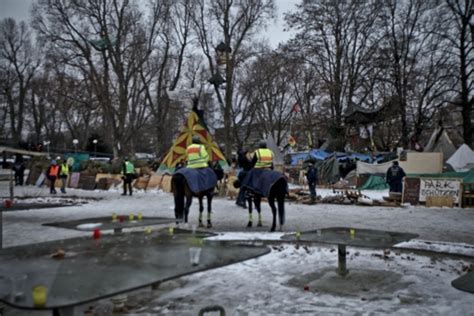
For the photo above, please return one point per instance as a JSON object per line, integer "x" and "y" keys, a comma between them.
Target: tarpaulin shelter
{"x": 328, "y": 170}
{"x": 462, "y": 158}
{"x": 374, "y": 183}
{"x": 194, "y": 125}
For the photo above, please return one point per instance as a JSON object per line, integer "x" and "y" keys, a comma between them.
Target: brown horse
{"x": 183, "y": 197}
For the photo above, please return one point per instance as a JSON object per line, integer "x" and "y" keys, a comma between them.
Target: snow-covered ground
{"x": 286, "y": 281}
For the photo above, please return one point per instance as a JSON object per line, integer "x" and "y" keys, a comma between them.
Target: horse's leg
{"x": 249, "y": 224}
{"x": 209, "y": 209}
{"x": 189, "y": 201}
{"x": 281, "y": 209}
{"x": 201, "y": 209}
{"x": 271, "y": 202}
{"x": 258, "y": 207}
{"x": 177, "y": 184}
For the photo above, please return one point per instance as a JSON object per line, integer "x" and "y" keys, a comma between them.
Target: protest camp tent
{"x": 194, "y": 125}
{"x": 374, "y": 182}
{"x": 328, "y": 170}
{"x": 462, "y": 158}
{"x": 440, "y": 142}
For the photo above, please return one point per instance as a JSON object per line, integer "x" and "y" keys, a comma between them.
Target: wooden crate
{"x": 166, "y": 183}
{"x": 141, "y": 182}
{"x": 439, "y": 201}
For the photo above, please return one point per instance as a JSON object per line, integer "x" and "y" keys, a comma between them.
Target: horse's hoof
{"x": 201, "y": 225}
{"x": 209, "y": 225}
{"x": 259, "y": 224}
{"x": 249, "y": 224}
{"x": 272, "y": 230}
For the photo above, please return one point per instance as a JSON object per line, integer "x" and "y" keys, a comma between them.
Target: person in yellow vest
{"x": 128, "y": 174}
{"x": 197, "y": 155}
{"x": 63, "y": 175}
{"x": 52, "y": 174}
{"x": 263, "y": 157}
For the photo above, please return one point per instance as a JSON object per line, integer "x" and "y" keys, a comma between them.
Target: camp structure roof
{"x": 20, "y": 151}
{"x": 194, "y": 125}
{"x": 356, "y": 115}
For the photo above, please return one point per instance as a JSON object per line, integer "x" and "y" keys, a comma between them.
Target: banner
{"x": 440, "y": 187}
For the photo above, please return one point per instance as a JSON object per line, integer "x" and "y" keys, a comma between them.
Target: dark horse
{"x": 265, "y": 183}
{"x": 185, "y": 183}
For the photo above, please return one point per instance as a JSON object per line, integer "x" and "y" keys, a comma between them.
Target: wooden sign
{"x": 87, "y": 182}
{"x": 411, "y": 191}
{"x": 440, "y": 187}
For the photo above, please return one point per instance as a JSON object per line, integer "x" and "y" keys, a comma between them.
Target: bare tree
{"x": 162, "y": 72}
{"x": 108, "y": 42}
{"x": 235, "y": 24}
{"x": 463, "y": 40}
{"x": 418, "y": 67}
{"x": 338, "y": 39}
{"x": 310, "y": 105}
{"x": 18, "y": 65}
{"x": 270, "y": 82}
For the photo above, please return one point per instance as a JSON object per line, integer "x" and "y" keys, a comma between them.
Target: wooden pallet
{"x": 439, "y": 201}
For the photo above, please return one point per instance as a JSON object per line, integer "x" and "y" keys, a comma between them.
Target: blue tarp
{"x": 361, "y": 157}
{"x": 318, "y": 154}
{"x": 295, "y": 157}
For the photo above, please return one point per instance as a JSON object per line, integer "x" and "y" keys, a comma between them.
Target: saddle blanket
{"x": 261, "y": 180}
{"x": 199, "y": 179}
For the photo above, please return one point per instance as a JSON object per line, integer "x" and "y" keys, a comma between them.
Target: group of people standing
{"x": 55, "y": 172}
{"x": 61, "y": 172}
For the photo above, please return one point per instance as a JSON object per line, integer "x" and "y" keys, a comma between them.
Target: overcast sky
{"x": 19, "y": 10}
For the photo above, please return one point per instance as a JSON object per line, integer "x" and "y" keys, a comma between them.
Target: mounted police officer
{"x": 263, "y": 157}
{"x": 196, "y": 154}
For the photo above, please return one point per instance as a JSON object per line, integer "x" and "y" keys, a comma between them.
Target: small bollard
{"x": 96, "y": 234}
